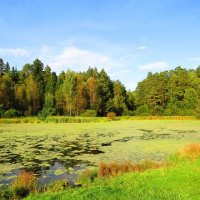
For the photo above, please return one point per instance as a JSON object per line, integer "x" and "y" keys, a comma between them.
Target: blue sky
{"x": 128, "y": 38}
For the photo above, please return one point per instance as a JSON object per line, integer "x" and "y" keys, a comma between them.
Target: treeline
{"x": 173, "y": 92}
{"x": 36, "y": 90}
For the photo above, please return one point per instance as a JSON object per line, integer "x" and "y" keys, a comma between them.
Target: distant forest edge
{"x": 36, "y": 90}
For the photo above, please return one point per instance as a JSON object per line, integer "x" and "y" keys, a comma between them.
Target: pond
{"x": 60, "y": 151}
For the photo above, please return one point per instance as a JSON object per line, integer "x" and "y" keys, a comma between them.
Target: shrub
{"x": 47, "y": 112}
{"x": 24, "y": 184}
{"x": 6, "y": 194}
{"x": 86, "y": 177}
{"x": 111, "y": 115}
{"x": 143, "y": 110}
{"x": 11, "y": 113}
{"x": 58, "y": 185}
{"x": 89, "y": 113}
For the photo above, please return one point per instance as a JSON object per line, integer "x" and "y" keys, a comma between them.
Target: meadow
{"x": 60, "y": 150}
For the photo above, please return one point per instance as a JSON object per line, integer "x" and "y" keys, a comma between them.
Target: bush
{"x": 11, "y": 113}
{"x": 143, "y": 110}
{"x": 89, "y": 113}
{"x": 58, "y": 185}
{"x": 6, "y": 194}
{"x": 47, "y": 112}
{"x": 111, "y": 115}
{"x": 86, "y": 177}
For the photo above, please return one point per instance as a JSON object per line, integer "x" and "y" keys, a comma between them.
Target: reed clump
{"x": 191, "y": 151}
{"x": 114, "y": 168}
{"x": 24, "y": 184}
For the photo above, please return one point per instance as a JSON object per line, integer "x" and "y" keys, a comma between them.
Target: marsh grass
{"x": 25, "y": 183}
{"x": 80, "y": 119}
{"x": 21, "y": 120}
{"x": 114, "y": 168}
{"x": 67, "y": 119}
{"x": 191, "y": 151}
{"x": 156, "y": 118}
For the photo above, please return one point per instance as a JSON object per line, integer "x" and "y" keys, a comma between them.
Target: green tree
{"x": 7, "y": 91}
{"x": 2, "y": 67}
{"x": 80, "y": 96}
{"x": 153, "y": 92}
{"x": 92, "y": 86}
{"x": 49, "y": 105}
{"x": 21, "y": 98}
{"x": 119, "y": 97}
{"x": 131, "y": 101}
{"x": 69, "y": 90}
{"x": 190, "y": 99}
{"x": 33, "y": 96}
{"x": 105, "y": 92}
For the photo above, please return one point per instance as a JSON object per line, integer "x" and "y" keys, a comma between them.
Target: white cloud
{"x": 16, "y": 52}
{"x": 160, "y": 65}
{"x": 79, "y": 59}
{"x": 142, "y": 47}
{"x": 194, "y": 59}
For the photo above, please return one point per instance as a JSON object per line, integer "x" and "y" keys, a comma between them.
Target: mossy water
{"x": 56, "y": 151}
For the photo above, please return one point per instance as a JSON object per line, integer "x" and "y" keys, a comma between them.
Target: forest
{"x": 36, "y": 90}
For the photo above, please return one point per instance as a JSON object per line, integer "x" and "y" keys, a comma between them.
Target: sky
{"x": 128, "y": 38}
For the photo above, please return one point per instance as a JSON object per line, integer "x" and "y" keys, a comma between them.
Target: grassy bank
{"x": 180, "y": 182}
{"x": 67, "y": 119}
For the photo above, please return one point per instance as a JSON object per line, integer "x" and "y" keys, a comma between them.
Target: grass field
{"x": 57, "y": 151}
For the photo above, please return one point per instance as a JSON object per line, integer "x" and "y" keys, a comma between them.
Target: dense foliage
{"x": 174, "y": 92}
{"x": 36, "y": 90}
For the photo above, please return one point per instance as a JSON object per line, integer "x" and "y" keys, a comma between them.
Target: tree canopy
{"x": 36, "y": 90}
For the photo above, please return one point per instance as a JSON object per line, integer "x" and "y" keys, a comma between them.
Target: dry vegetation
{"x": 191, "y": 151}
{"x": 114, "y": 168}
{"x": 26, "y": 180}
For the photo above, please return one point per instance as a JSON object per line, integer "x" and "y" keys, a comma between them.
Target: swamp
{"x": 57, "y": 151}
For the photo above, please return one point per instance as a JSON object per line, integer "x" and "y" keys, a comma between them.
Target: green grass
{"x": 20, "y": 120}
{"x": 174, "y": 183}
